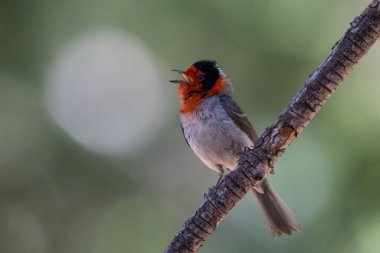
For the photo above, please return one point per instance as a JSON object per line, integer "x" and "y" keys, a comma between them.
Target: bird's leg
{"x": 221, "y": 175}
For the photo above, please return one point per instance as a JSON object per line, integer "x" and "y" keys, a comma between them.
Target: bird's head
{"x": 200, "y": 81}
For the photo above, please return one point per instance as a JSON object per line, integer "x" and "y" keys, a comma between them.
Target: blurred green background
{"x": 92, "y": 158}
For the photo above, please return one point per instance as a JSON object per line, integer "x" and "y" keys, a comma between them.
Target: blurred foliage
{"x": 57, "y": 196}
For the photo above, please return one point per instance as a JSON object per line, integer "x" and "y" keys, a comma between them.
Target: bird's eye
{"x": 200, "y": 78}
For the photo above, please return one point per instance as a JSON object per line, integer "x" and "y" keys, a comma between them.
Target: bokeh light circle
{"x": 104, "y": 90}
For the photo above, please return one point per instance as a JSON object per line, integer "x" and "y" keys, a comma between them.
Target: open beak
{"x": 185, "y": 79}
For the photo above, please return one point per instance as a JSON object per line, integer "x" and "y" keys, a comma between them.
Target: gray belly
{"x": 214, "y": 137}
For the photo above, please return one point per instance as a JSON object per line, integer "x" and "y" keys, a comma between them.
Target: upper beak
{"x": 185, "y": 79}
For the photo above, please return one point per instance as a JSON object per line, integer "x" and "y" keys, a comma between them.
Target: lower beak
{"x": 185, "y": 79}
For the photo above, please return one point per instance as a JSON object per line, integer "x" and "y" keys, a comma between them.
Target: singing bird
{"x": 218, "y": 131}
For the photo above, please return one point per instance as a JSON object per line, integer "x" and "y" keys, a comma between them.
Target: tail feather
{"x": 278, "y": 216}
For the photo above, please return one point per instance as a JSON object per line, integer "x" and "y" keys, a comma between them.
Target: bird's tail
{"x": 278, "y": 216}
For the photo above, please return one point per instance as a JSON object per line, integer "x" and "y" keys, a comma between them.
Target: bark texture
{"x": 256, "y": 163}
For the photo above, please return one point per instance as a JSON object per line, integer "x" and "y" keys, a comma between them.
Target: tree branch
{"x": 257, "y": 162}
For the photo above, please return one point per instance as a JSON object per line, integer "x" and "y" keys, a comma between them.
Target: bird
{"x": 218, "y": 131}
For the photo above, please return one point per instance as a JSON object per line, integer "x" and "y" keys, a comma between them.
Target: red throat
{"x": 192, "y": 95}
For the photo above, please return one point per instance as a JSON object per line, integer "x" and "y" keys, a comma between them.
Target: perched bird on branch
{"x": 218, "y": 131}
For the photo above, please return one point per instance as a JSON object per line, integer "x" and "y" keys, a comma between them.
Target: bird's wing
{"x": 233, "y": 110}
